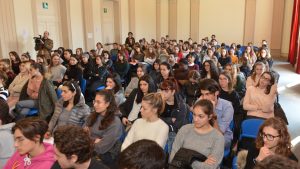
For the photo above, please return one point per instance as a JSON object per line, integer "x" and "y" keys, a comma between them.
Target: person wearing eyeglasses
{"x": 259, "y": 99}
{"x": 70, "y": 109}
{"x": 273, "y": 139}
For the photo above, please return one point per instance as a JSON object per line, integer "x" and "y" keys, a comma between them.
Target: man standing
{"x": 44, "y": 46}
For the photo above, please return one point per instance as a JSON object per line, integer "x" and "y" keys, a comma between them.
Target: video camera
{"x": 38, "y": 42}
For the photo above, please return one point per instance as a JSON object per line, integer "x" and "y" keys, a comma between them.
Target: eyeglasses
{"x": 268, "y": 136}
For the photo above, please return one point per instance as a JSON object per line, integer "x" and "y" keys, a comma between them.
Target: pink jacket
{"x": 43, "y": 161}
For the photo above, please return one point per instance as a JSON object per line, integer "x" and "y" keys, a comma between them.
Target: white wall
{"x": 288, "y": 13}
{"x": 225, "y": 19}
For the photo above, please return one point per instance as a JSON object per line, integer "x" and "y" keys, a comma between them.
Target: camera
{"x": 38, "y": 42}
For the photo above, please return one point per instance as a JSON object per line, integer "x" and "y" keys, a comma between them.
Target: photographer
{"x": 44, "y": 45}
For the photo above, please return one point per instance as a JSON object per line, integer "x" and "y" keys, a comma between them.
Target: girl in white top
{"x": 150, "y": 126}
{"x": 258, "y": 69}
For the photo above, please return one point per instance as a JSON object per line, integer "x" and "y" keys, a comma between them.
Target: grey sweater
{"x": 108, "y": 136}
{"x": 211, "y": 143}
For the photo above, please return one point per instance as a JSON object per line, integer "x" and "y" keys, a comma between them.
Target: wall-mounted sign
{"x": 105, "y": 10}
{"x": 45, "y": 5}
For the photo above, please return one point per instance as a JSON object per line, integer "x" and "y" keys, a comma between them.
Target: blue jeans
{"x": 170, "y": 141}
{"x": 23, "y": 107}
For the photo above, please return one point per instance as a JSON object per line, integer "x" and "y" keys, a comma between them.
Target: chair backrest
{"x": 250, "y": 128}
{"x": 190, "y": 117}
{"x": 83, "y": 85}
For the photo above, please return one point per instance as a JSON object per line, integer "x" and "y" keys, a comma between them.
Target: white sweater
{"x": 141, "y": 129}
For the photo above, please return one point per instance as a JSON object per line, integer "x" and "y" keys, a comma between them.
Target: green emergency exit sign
{"x": 45, "y": 5}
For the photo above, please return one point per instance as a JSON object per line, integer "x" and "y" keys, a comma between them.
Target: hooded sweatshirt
{"x": 6, "y": 143}
{"x": 42, "y": 161}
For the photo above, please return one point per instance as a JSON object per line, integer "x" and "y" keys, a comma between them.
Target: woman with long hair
{"x": 121, "y": 66}
{"x": 238, "y": 79}
{"x": 105, "y": 126}
{"x": 201, "y": 136}
{"x": 150, "y": 126}
{"x": 258, "y": 69}
{"x": 17, "y": 84}
{"x": 133, "y": 84}
{"x": 166, "y": 71}
{"x": 70, "y": 109}
{"x": 273, "y": 138}
{"x": 5, "y": 67}
{"x": 130, "y": 109}
{"x": 209, "y": 70}
{"x": 113, "y": 82}
{"x": 259, "y": 99}
{"x": 74, "y": 70}
{"x": 15, "y": 61}
{"x": 56, "y": 70}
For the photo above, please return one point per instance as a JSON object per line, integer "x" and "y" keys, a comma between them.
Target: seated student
{"x": 56, "y": 70}
{"x": 142, "y": 154}
{"x": 245, "y": 67}
{"x": 150, "y": 126}
{"x": 155, "y": 72}
{"x": 224, "y": 58}
{"x": 107, "y": 62}
{"x": 5, "y": 67}
{"x": 209, "y": 70}
{"x": 259, "y": 100}
{"x": 264, "y": 55}
{"x": 74, "y": 71}
{"x": 37, "y": 93}
{"x": 3, "y": 91}
{"x": 166, "y": 71}
{"x": 210, "y": 56}
{"x": 201, "y": 136}
{"x": 238, "y": 79}
{"x": 273, "y": 138}
{"x": 191, "y": 60}
{"x": 105, "y": 126}
{"x": 181, "y": 74}
{"x": 121, "y": 66}
{"x": 113, "y": 82}
{"x": 67, "y": 53}
{"x": 133, "y": 84}
{"x": 130, "y": 109}
{"x": 88, "y": 67}
{"x": 31, "y": 151}
{"x": 175, "y": 114}
{"x": 70, "y": 108}
{"x": 234, "y": 58}
{"x": 191, "y": 89}
{"x": 26, "y": 57}
{"x": 17, "y": 84}
{"x": 210, "y": 90}
{"x": 6, "y": 138}
{"x": 98, "y": 79}
{"x": 15, "y": 61}
{"x": 258, "y": 69}
{"x": 150, "y": 56}
{"x": 74, "y": 153}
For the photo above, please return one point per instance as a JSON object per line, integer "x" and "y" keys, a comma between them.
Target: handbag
{"x": 184, "y": 158}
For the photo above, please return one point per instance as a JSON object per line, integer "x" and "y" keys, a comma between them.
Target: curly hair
{"x": 143, "y": 154}
{"x": 110, "y": 112}
{"x": 73, "y": 140}
{"x": 284, "y": 143}
{"x": 272, "y": 82}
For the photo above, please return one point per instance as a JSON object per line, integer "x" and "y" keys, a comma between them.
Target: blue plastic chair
{"x": 190, "y": 117}
{"x": 250, "y": 128}
{"x": 58, "y": 93}
{"x": 83, "y": 85}
{"x": 32, "y": 112}
{"x": 234, "y": 163}
{"x": 100, "y": 88}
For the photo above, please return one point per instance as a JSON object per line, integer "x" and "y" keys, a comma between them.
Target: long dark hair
{"x": 111, "y": 110}
{"x": 169, "y": 67}
{"x": 151, "y": 87}
{"x": 207, "y": 108}
{"x": 73, "y": 87}
{"x": 18, "y": 60}
{"x": 117, "y": 80}
{"x": 213, "y": 70}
